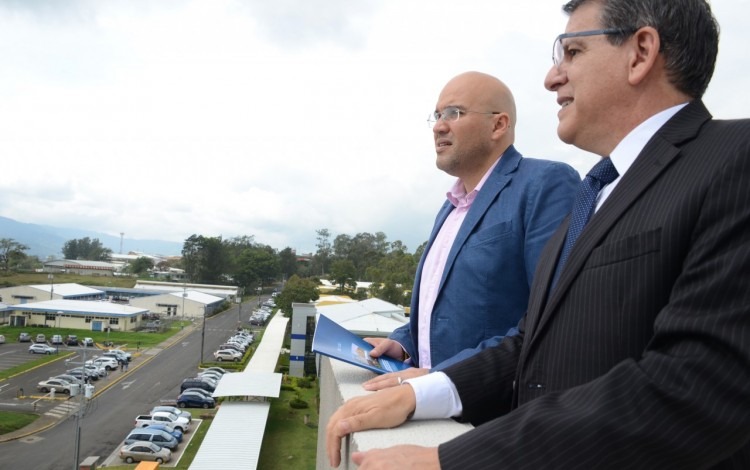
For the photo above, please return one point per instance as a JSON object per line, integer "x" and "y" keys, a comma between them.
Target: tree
{"x": 11, "y": 252}
{"x": 343, "y": 274}
{"x": 86, "y": 249}
{"x": 297, "y": 290}
{"x": 204, "y": 259}
{"x": 141, "y": 265}
{"x": 258, "y": 264}
{"x": 288, "y": 262}
{"x": 321, "y": 260}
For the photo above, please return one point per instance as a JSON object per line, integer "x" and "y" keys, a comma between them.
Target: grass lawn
{"x": 11, "y": 420}
{"x": 289, "y": 443}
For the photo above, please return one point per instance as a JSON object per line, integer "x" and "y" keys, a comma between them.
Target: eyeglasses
{"x": 558, "y": 50}
{"x": 451, "y": 114}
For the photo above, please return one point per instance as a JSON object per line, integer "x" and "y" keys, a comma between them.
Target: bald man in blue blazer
{"x": 472, "y": 283}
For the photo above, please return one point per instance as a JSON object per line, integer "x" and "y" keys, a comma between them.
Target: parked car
{"x": 199, "y": 391}
{"x": 88, "y": 341}
{"x": 227, "y": 355}
{"x": 139, "y": 451}
{"x": 163, "y": 417}
{"x": 211, "y": 375}
{"x": 195, "y": 400}
{"x": 235, "y": 347}
{"x": 196, "y": 383}
{"x": 156, "y": 436}
{"x": 56, "y": 339}
{"x": 124, "y": 354}
{"x": 71, "y": 340}
{"x": 2, "y": 339}
{"x": 83, "y": 374}
{"x": 59, "y": 385}
{"x": 101, "y": 371}
{"x": 40, "y": 338}
{"x": 118, "y": 356}
{"x": 108, "y": 363}
{"x": 24, "y": 338}
{"x": 68, "y": 378}
{"x": 257, "y": 320}
{"x": 39, "y": 348}
{"x": 216, "y": 369}
{"x": 168, "y": 429}
{"x": 173, "y": 410}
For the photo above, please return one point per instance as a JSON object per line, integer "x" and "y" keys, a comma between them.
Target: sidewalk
{"x": 44, "y": 421}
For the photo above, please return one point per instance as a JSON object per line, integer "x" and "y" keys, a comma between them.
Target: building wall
{"x": 300, "y": 313}
{"x": 24, "y": 294}
{"x": 90, "y": 322}
{"x": 167, "y": 303}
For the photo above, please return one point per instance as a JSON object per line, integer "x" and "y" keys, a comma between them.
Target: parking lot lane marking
{"x": 127, "y": 384}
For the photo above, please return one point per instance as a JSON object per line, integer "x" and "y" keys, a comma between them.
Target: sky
{"x": 273, "y": 119}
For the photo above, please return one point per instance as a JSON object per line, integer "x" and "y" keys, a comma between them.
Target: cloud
{"x": 273, "y": 119}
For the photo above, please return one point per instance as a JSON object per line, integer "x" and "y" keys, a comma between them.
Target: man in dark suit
{"x": 472, "y": 283}
{"x": 635, "y": 353}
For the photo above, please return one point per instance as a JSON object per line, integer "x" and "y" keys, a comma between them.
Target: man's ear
{"x": 646, "y": 44}
{"x": 502, "y": 124}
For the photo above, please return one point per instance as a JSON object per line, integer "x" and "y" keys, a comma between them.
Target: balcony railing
{"x": 340, "y": 382}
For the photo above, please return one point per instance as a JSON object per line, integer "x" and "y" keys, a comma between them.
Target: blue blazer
{"x": 484, "y": 289}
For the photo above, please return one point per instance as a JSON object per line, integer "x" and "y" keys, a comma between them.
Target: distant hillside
{"x": 44, "y": 240}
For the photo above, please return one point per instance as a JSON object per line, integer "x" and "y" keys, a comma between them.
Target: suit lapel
{"x": 654, "y": 159}
{"x": 500, "y": 177}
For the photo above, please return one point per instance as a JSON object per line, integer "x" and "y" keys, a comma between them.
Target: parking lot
{"x": 114, "y": 458}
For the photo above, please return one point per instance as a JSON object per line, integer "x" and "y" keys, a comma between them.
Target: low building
{"x": 78, "y": 314}
{"x": 38, "y": 292}
{"x": 228, "y": 292}
{"x": 187, "y": 304}
{"x": 82, "y": 267}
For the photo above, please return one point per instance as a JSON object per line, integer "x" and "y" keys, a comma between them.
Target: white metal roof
{"x": 267, "y": 353}
{"x": 81, "y": 307}
{"x": 366, "y": 318}
{"x": 200, "y": 297}
{"x": 249, "y": 384}
{"x": 235, "y": 437}
{"x": 67, "y": 289}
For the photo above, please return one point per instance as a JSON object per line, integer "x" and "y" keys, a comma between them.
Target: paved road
{"x": 153, "y": 376}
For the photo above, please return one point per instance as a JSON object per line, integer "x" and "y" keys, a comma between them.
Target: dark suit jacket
{"x": 640, "y": 357}
{"x": 485, "y": 286}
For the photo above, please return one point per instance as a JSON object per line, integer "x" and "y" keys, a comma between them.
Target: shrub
{"x": 298, "y": 404}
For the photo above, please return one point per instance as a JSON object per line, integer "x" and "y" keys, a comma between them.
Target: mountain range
{"x": 45, "y": 241}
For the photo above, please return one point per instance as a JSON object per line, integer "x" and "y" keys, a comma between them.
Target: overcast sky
{"x": 163, "y": 119}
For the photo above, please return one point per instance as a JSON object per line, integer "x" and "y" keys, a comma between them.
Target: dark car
{"x": 195, "y": 400}
{"x": 168, "y": 429}
{"x": 197, "y": 383}
{"x": 71, "y": 340}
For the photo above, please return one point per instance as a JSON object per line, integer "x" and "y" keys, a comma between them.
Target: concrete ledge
{"x": 340, "y": 382}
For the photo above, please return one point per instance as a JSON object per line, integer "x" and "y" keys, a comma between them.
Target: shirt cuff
{"x": 436, "y": 397}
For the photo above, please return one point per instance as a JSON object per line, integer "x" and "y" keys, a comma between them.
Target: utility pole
{"x": 203, "y": 336}
{"x": 85, "y": 391}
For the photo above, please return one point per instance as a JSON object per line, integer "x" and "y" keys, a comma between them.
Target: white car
{"x": 174, "y": 410}
{"x": 108, "y": 363}
{"x": 60, "y": 386}
{"x": 40, "y": 348}
{"x": 227, "y": 355}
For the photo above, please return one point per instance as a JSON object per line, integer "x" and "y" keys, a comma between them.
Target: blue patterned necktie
{"x": 601, "y": 175}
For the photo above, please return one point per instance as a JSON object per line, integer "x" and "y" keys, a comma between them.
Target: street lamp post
{"x": 203, "y": 335}
{"x": 82, "y": 394}
{"x": 51, "y": 278}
